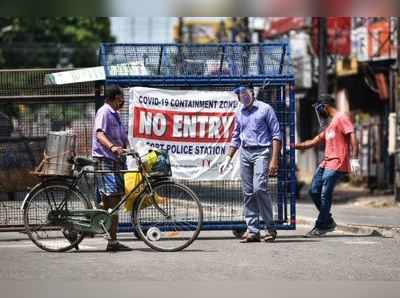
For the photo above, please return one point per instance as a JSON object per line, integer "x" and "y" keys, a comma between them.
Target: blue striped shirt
{"x": 256, "y": 126}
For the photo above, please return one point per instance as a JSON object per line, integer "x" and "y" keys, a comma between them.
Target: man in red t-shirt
{"x": 339, "y": 138}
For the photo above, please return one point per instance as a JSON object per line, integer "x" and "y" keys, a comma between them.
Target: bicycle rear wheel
{"x": 43, "y": 216}
{"x": 173, "y": 222}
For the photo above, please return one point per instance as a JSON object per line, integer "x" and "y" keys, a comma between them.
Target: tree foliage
{"x": 52, "y": 42}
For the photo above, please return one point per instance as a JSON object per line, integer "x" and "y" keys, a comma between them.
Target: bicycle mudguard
{"x": 38, "y": 186}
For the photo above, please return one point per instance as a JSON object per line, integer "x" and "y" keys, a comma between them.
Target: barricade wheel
{"x": 45, "y": 217}
{"x": 174, "y": 215}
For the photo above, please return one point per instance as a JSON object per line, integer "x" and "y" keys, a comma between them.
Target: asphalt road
{"x": 215, "y": 256}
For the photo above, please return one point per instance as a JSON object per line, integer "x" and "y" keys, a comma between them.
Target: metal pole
{"x": 322, "y": 57}
{"x": 322, "y": 69}
{"x": 397, "y": 109}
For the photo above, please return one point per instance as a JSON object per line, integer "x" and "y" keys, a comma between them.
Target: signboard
{"x": 195, "y": 127}
{"x": 380, "y": 44}
{"x": 374, "y": 40}
{"x": 275, "y": 27}
{"x": 339, "y": 35}
{"x": 95, "y": 73}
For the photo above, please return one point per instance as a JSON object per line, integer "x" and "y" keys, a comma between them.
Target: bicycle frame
{"x": 145, "y": 182}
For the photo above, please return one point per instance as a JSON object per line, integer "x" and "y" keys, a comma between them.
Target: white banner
{"x": 195, "y": 127}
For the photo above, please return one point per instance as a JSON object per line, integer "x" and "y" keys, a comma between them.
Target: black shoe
{"x": 71, "y": 236}
{"x": 117, "y": 246}
{"x": 315, "y": 232}
{"x": 331, "y": 227}
{"x": 271, "y": 236}
{"x": 251, "y": 238}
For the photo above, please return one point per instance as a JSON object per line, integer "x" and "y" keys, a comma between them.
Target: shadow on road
{"x": 135, "y": 249}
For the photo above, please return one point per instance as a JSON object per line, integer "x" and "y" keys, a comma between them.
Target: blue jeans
{"x": 322, "y": 186}
{"x": 257, "y": 201}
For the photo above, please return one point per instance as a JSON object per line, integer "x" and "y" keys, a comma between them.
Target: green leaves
{"x": 52, "y": 42}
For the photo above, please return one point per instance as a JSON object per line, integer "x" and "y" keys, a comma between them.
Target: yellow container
{"x": 131, "y": 180}
{"x": 150, "y": 160}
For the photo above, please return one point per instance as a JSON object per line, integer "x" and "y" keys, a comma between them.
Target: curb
{"x": 362, "y": 230}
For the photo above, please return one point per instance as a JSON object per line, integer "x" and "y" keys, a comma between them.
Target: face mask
{"x": 118, "y": 104}
{"x": 121, "y": 104}
{"x": 244, "y": 94}
{"x": 246, "y": 99}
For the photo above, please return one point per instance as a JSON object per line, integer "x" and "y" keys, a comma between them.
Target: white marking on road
{"x": 16, "y": 245}
{"x": 87, "y": 247}
{"x": 360, "y": 242}
{"x": 33, "y": 245}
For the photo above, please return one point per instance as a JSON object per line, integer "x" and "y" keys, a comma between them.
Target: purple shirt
{"x": 255, "y": 127}
{"x": 107, "y": 120}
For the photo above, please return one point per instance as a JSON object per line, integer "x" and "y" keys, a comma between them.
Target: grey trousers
{"x": 254, "y": 165}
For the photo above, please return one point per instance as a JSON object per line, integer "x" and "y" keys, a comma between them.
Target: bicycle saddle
{"x": 81, "y": 161}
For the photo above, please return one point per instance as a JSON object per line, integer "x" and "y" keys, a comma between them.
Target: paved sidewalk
{"x": 355, "y": 205}
{"x": 356, "y": 210}
{"x": 352, "y": 214}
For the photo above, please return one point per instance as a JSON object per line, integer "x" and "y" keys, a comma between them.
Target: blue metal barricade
{"x": 218, "y": 67}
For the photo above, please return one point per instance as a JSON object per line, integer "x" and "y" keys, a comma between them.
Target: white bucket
{"x": 60, "y": 148}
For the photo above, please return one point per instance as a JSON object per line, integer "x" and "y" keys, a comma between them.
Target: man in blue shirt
{"x": 257, "y": 133}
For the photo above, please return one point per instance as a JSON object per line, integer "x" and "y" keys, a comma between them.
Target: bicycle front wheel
{"x": 44, "y": 212}
{"x": 171, "y": 220}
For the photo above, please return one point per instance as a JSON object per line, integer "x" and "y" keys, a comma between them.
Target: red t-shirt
{"x": 337, "y": 143}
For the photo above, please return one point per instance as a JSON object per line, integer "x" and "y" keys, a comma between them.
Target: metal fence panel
{"x": 219, "y": 67}
{"x": 28, "y": 111}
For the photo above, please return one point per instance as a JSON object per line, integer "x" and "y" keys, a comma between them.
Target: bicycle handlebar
{"x": 130, "y": 152}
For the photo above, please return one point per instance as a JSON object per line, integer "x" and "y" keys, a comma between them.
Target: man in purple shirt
{"x": 257, "y": 133}
{"x": 109, "y": 140}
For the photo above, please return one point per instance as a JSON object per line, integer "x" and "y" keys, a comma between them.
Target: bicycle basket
{"x": 157, "y": 163}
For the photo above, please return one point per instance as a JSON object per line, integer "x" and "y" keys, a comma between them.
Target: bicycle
{"x": 166, "y": 215}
